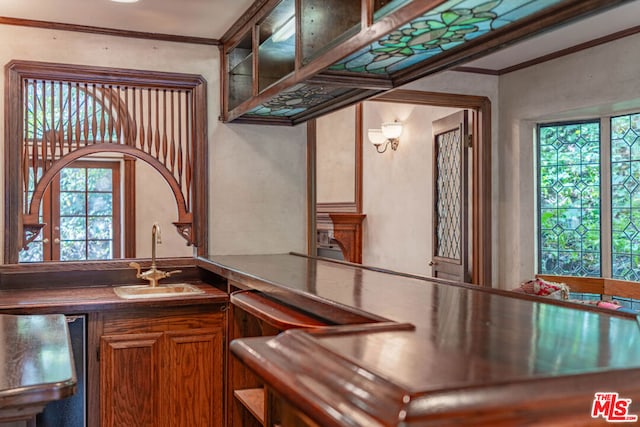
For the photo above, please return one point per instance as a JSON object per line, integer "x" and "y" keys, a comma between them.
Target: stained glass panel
{"x": 298, "y": 99}
{"x": 625, "y": 197}
{"x": 569, "y": 199}
{"x": 447, "y": 26}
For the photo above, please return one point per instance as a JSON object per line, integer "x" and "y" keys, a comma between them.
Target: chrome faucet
{"x": 153, "y": 274}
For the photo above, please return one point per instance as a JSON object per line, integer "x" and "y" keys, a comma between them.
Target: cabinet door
{"x": 192, "y": 394}
{"x": 129, "y": 379}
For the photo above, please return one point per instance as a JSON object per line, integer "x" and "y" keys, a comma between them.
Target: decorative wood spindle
{"x": 103, "y": 125}
{"x": 69, "y": 126}
{"x": 65, "y": 116}
{"x": 85, "y": 122}
{"x": 120, "y": 118}
{"x": 187, "y": 171}
{"x": 34, "y": 145}
{"x": 172, "y": 155}
{"x": 45, "y": 134}
{"x": 157, "y": 125}
{"x": 180, "y": 139}
{"x": 149, "y": 124}
{"x": 94, "y": 120}
{"x": 25, "y": 148}
{"x": 59, "y": 129}
{"x": 164, "y": 127}
{"x": 142, "y": 134}
{"x": 78, "y": 130}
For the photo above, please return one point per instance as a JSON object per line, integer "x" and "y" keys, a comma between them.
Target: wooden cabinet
{"x": 162, "y": 367}
{"x": 254, "y": 315}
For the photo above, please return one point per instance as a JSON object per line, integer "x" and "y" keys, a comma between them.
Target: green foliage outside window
{"x": 569, "y": 199}
{"x": 569, "y": 207}
{"x": 86, "y": 217}
{"x": 625, "y": 197}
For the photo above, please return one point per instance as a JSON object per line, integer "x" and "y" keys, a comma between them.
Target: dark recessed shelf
{"x": 253, "y": 400}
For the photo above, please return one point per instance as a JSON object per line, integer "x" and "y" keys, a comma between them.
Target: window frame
{"x": 605, "y": 188}
{"x": 123, "y": 193}
{"x": 192, "y": 223}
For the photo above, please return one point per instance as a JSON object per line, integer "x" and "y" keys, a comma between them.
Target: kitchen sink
{"x": 165, "y": 290}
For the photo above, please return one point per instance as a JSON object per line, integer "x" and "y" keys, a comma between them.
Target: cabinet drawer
{"x": 161, "y": 320}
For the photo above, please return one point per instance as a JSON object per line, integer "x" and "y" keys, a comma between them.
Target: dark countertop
{"x": 94, "y": 298}
{"x": 37, "y": 364}
{"x": 471, "y": 348}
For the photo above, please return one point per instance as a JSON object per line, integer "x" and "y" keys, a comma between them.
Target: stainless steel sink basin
{"x": 166, "y": 290}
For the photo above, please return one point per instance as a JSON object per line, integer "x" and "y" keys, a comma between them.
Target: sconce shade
{"x": 389, "y": 136}
{"x": 392, "y": 130}
{"x": 376, "y": 137}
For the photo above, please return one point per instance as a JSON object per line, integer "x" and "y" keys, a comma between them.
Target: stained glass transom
{"x": 569, "y": 199}
{"x": 625, "y": 197}
{"x": 297, "y": 99}
{"x": 449, "y": 191}
{"x": 449, "y": 25}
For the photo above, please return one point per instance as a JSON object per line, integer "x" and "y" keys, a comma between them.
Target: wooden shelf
{"x": 253, "y": 400}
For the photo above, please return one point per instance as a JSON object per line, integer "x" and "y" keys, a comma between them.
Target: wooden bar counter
{"x": 430, "y": 353}
{"x": 36, "y": 364}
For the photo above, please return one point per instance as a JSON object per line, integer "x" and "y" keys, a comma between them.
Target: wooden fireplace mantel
{"x": 347, "y": 232}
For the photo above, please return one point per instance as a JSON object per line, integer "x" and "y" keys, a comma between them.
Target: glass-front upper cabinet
{"x": 277, "y": 44}
{"x": 240, "y": 72}
{"x": 325, "y": 23}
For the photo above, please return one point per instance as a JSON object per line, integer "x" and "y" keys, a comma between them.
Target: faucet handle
{"x": 170, "y": 273}
{"x": 136, "y": 266}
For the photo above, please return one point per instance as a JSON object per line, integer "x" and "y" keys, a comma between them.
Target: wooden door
{"x": 130, "y": 372}
{"x": 192, "y": 395}
{"x": 450, "y": 199}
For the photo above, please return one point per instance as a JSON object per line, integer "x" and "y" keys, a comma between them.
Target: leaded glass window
{"x": 625, "y": 197}
{"x": 569, "y": 199}
{"x": 570, "y": 190}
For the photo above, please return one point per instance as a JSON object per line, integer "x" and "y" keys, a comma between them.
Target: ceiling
{"x": 193, "y": 18}
{"x": 212, "y": 18}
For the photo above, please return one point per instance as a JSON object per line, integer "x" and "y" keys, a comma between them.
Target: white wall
{"x": 336, "y": 156}
{"x": 398, "y": 189}
{"x": 155, "y": 203}
{"x": 257, "y": 184}
{"x": 598, "y": 81}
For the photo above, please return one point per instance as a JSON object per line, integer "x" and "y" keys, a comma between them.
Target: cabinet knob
{"x": 56, "y": 241}
{"x": 432, "y": 263}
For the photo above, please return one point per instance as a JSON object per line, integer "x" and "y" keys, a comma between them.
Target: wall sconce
{"x": 389, "y": 133}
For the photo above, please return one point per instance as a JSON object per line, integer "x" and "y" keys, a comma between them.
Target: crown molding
{"x": 107, "y": 31}
{"x": 553, "y": 55}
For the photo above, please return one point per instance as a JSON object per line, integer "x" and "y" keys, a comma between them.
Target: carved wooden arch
{"x": 31, "y": 224}
{"x": 180, "y": 157}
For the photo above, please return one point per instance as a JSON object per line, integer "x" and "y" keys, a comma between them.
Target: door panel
{"x": 450, "y": 206}
{"x": 194, "y": 378}
{"x": 130, "y": 375}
